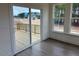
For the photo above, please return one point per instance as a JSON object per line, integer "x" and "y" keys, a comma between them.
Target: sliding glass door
{"x": 21, "y": 24}
{"x": 26, "y": 26}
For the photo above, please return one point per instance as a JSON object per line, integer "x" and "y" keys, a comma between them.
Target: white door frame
{"x": 12, "y": 32}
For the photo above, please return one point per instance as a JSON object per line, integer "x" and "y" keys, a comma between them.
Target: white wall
{"x": 5, "y": 42}
{"x": 45, "y": 22}
{"x": 7, "y": 39}
{"x": 63, "y": 36}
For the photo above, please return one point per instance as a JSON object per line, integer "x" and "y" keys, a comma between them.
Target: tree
{"x": 75, "y": 5}
{"x": 21, "y": 15}
{"x": 60, "y": 8}
{"x": 75, "y": 9}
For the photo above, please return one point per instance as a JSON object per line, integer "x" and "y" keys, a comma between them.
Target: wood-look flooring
{"x": 51, "y": 47}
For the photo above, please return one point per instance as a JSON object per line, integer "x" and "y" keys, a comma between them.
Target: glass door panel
{"x": 21, "y": 24}
{"x": 35, "y": 25}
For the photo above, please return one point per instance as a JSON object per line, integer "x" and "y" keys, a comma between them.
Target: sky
{"x": 17, "y": 10}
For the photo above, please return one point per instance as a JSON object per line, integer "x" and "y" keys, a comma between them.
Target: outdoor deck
{"x": 23, "y": 39}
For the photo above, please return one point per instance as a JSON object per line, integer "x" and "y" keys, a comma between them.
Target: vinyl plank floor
{"x": 51, "y": 47}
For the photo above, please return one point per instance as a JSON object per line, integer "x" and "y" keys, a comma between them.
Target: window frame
{"x": 73, "y": 32}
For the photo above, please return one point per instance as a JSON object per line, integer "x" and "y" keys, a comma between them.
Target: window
{"x": 59, "y": 13}
{"x": 75, "y": 19}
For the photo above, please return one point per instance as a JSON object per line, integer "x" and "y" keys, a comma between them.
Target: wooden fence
{"x": 35, "y": 28}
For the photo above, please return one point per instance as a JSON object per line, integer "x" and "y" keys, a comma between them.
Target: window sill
{"x": 71, "y": 34}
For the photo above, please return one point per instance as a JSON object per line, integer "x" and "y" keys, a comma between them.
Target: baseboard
{"x": 64, "y": 42}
